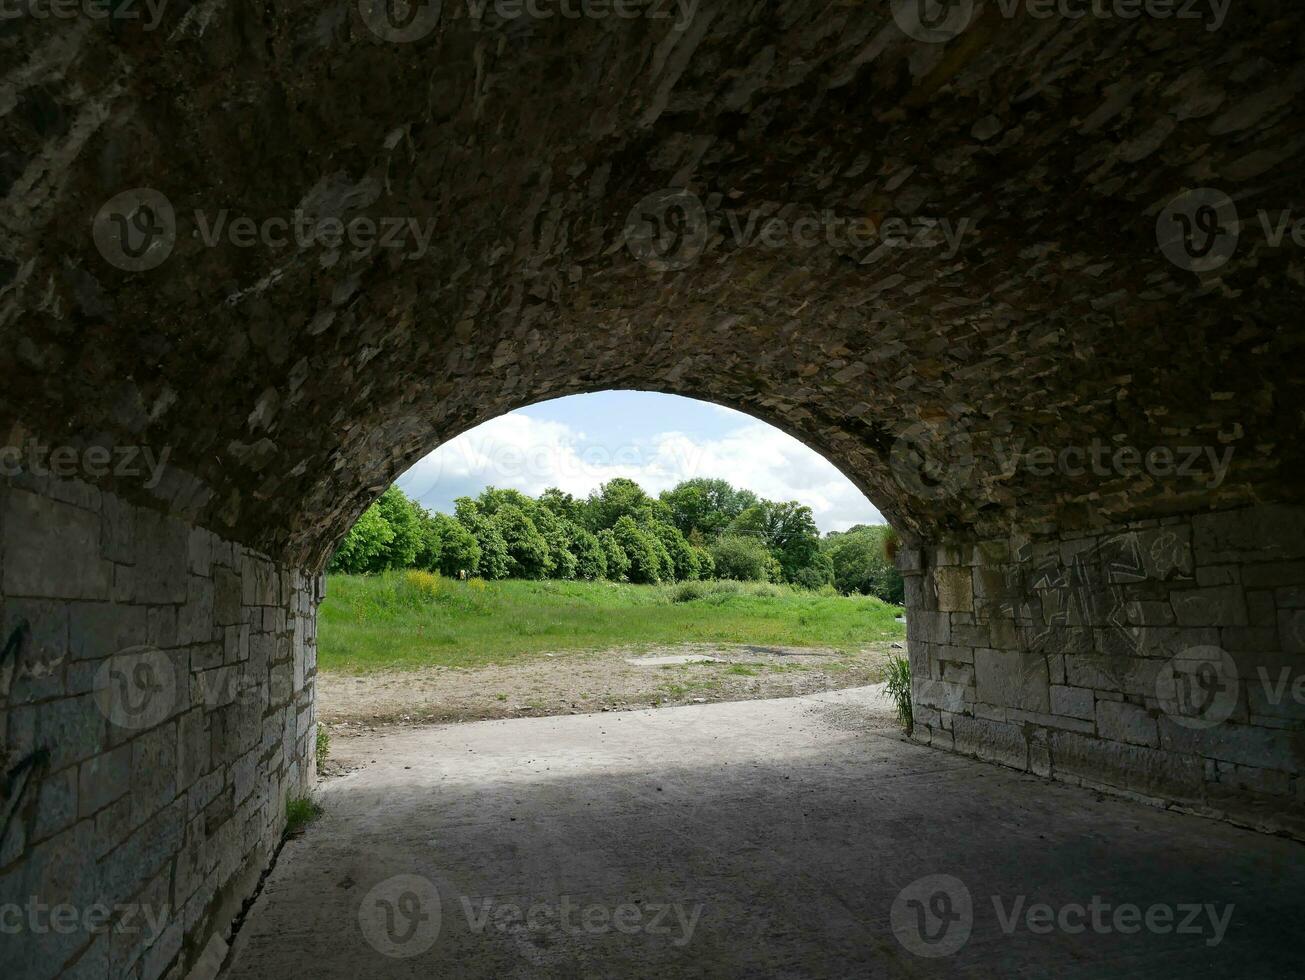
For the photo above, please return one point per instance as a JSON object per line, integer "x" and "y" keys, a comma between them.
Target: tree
{"x": 527, "y": 549}
{"x": 590, "y": 555}
{"x": 705, "y": 506}
{"x": 557, "y": 532}
{"x": 494, "y": 563}
{"x": 447, "y": 546}
{"x": 860, "y": 564}
{"x": 562, "y": 504}
{"x": 401, "y": 515}
{"x": 617, "y": 561}
{"x": 819, "y": 572}
{"x": 365, "y": 544}
{"x": 619, "y": 498}
{"x": 684, "y": 562}
{"x": 741, "y": 557}
{"x": 642, "y": 549}
{"x": 787, "y": 529}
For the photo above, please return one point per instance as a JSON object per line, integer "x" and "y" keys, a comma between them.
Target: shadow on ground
{"x": 752, "y": 839}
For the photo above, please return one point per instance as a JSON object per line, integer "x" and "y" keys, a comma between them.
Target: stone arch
{"x": 292, "y": 382}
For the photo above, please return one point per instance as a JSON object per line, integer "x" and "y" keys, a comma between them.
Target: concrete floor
{"x": 751, "y": 839}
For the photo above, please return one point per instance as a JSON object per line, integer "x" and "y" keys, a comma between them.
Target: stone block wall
{"x": 1165, "y": 658}
{"x": 156, "y": 712}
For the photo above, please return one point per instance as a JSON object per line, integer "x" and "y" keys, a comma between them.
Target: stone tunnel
{"x": 1032, "y": 282}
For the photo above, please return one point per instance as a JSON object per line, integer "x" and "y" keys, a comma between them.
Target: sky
{"x": 581, "y": 441}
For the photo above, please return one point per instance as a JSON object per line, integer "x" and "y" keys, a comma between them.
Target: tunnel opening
{"x": 632, "y": 528}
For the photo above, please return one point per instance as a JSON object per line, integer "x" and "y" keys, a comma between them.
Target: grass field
{"x": 406, "y": 620}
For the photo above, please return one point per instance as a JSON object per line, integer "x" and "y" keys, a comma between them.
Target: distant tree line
{"x": 701, "y": 529}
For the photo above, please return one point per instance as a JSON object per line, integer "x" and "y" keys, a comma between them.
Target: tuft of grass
{"x": 323, "y": 745}
{"x": 891, "y": 543}
{"x": 401, "y": 621}
{"x": 300, "y": 811}
{"x": 898, "y": 676}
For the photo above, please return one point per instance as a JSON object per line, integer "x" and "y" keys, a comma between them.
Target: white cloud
{"x": 530, "y": 455}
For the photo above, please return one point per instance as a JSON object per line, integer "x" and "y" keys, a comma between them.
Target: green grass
{"x": 300, "y": 811}
{"x": 405, "y": 620}
{"x": 899, "y": 689}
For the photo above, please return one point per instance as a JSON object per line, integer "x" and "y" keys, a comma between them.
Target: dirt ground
{"x": 619, "y": 679}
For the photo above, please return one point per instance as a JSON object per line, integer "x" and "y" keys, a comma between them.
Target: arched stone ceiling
{"x": 292, "y": 383}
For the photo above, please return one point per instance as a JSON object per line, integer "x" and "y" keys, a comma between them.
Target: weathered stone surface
{"x": 955, "y": 588}
{"x": 288, "y": 386}
{"x": 1012, "y": 678}
{"x": 52, "y": 550}
{"x": 281, "y": 381}
{"x": 129, "y": 788}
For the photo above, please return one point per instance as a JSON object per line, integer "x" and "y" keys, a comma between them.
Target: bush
{"x": 741, "y": 557}
{"x": 428, "y": 585}
{"x": 689, "y": 591}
